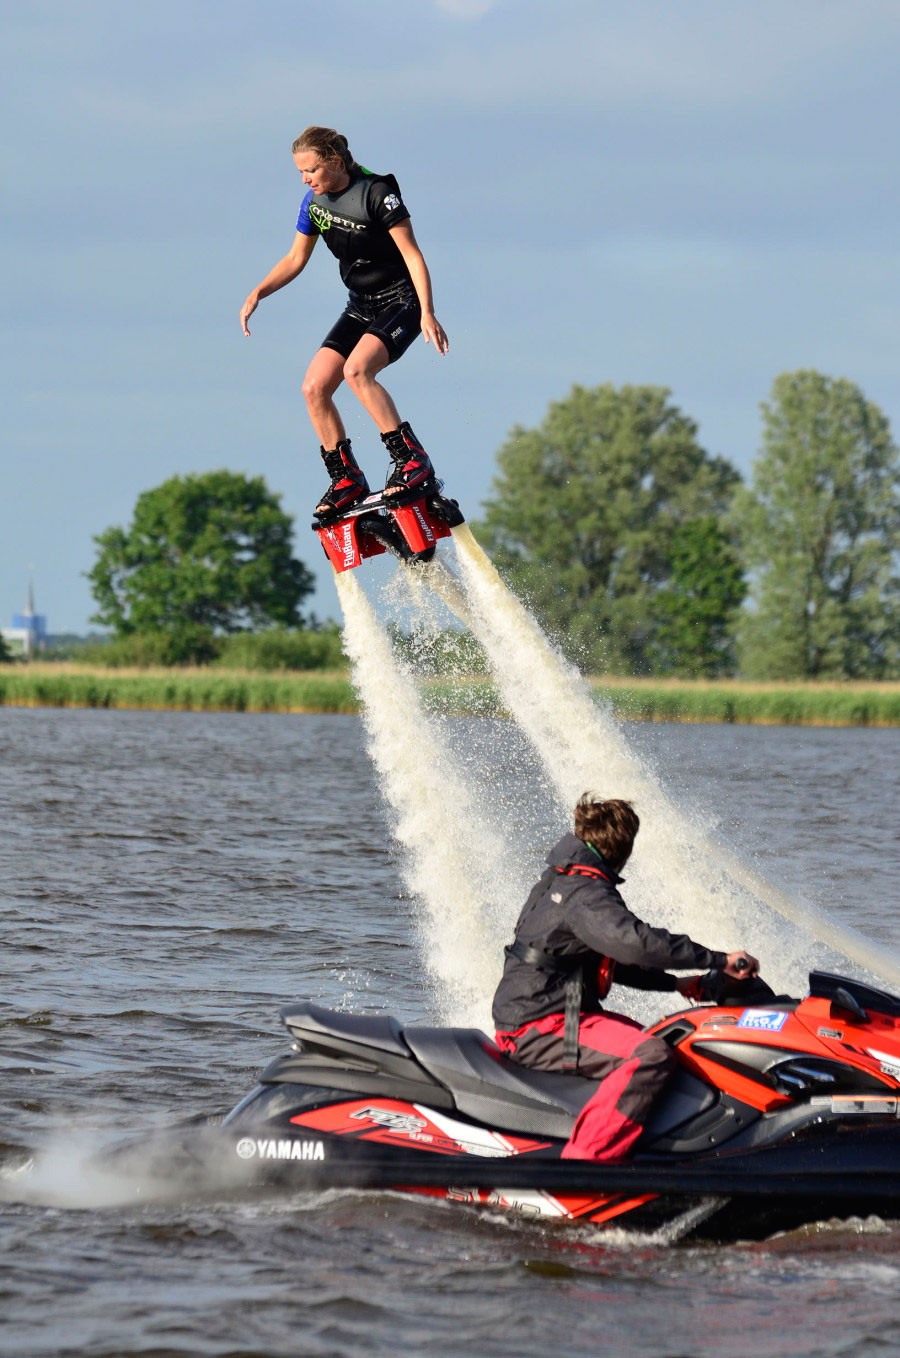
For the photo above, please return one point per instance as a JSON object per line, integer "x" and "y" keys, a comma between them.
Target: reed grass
{"x": 743, "y": 703}
{"x": 216, "y": 690}
{"x": 177, "y": 689}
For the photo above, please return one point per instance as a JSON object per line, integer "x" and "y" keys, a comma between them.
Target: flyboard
{"x": 408, "y": 523}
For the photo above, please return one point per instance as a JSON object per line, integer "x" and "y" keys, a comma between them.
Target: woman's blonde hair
{"x": 327, "y": 144}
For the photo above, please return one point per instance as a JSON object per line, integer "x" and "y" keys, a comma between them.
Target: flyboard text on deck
{"x": 409, "y": 524}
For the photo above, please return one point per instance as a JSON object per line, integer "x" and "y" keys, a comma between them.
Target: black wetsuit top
{"x": 354, "y": 224}
{"x": 585, "y": 919}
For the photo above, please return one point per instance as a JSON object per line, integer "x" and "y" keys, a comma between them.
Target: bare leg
{"x": 323, "y": 377}
{"x": 367, "y": 360}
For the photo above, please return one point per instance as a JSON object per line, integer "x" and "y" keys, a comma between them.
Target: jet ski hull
{"x": 835, "y": 1168}
{"x": 777, "y": 1117}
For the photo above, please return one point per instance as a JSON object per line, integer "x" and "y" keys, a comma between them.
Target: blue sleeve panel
{"x": 304, "y": 222}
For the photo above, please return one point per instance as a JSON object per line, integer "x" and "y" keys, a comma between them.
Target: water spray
{"x": 679, "y": 870}
{"x": 453, "y": 861}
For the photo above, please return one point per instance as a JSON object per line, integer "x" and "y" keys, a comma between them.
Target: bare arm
{"x": 285, "y": 271}
{"x": 406, "y": 243}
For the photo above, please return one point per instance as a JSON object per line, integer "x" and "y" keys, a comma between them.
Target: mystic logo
{"x": 391, "y": 202}
{"x": 390, "y": 1118}
{"x": 423, "y": 524}
{"x": 324, "y": 219}
{"x": 247, "y": 1148}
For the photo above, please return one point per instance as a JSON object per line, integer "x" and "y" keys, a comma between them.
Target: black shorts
{"x": 393, "y": 316}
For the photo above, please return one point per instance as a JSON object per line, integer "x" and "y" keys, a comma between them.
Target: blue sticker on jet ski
{"x": 768, "y": 1020}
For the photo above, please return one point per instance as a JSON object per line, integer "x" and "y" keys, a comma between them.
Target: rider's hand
{"x": 434, "y": 332}
{"x": 248, "y": 309}
{"x": 740, "y": 965}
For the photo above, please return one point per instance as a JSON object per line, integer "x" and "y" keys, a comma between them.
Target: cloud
{"x": 700, "y": 54}
{"x": 153, "y": 76}
{"x": 466, "y": 9}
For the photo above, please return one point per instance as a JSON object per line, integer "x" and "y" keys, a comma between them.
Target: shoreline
{"x": 188, "y": 689}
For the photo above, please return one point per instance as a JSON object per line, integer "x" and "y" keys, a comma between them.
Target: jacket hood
{"x": 572, "y": 850}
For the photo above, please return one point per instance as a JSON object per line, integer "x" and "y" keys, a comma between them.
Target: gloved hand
{"x": 717, "y": 987}
{"x": 740, "y": 965}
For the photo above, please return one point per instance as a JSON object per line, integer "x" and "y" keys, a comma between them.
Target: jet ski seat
{"x": 482, "y": 1082}
{"x": 314, "y": 1024}
{"x": 487, "y": 1085}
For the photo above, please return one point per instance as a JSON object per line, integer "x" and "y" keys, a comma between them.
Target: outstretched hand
{"x": 247, "y": 311}
{"x": 434, "y": 332}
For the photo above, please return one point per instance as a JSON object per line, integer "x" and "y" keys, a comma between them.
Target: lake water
{"x": 168, "y": 881}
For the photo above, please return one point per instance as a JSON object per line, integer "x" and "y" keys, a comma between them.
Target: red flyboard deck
{"x": 350, "y": 541}
{"x": 347, "y": 544}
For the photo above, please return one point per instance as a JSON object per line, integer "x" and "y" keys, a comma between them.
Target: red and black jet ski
{"x": 407, "y": 523}
{"x": 783, "y": 1111}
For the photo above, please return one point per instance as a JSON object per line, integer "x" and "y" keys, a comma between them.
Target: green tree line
{"x": 647, "y": 556}
{"x": 642, "y": 553}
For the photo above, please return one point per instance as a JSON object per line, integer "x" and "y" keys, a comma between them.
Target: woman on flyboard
{"x": 363, "y": 221}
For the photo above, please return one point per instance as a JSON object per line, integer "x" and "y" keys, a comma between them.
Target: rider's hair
{"x": 327, "y": 144}
{"x": 609, "y": 826}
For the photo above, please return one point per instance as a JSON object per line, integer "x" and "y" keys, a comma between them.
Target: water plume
{"x": 680, "y": 875}
{"x": 453, "y": 861}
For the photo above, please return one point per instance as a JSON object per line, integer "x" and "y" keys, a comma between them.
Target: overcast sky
{"x": 694, "y": 193}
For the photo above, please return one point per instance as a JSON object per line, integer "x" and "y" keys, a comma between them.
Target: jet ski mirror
{"x": 842, "y": 999}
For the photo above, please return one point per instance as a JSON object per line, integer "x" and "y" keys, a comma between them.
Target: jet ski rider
{"x": 364, "y": 223}
{"x": 574, "y": 936}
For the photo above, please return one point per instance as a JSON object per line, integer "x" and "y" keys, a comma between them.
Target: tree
{"x": 820, "y": 525}
{"x": 696, "y": 613}
{"x": 5, "y": 652}
{"x": 586, "y": 515}
{"x": 204, "y": 553}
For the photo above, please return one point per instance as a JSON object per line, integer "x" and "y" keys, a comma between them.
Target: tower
{"x": 28, "y": 633}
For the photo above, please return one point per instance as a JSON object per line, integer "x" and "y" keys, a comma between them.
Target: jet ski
{"x": 782, "y": 1111}
{"x": 407, "y": 523}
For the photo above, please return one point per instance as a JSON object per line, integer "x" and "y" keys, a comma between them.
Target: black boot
{"x": 412, "y": 465}
{"x": 348, "y": 481}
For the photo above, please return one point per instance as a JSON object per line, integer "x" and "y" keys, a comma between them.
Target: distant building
{"x": 28, "y": 633}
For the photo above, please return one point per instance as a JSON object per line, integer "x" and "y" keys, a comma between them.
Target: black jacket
{"x": 568, "y": 915}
